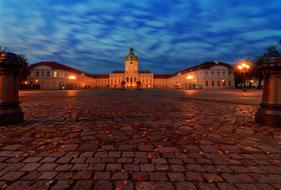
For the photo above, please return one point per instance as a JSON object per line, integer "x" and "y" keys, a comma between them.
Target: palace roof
{"x": 162, "y": 76}
{"x": 131, "y": 56}
{"x": 105, "y": 76}
{"x": 205, "y": 65}
{"x": 57, "y": 66}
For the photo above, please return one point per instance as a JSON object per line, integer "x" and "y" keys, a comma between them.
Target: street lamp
{"x": 72, "y": 77}
{"x": 189, "y": 77}
{"x": 243, "y": 67}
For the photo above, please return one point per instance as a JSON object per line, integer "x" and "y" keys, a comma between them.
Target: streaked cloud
{"x": 168, "y": 35}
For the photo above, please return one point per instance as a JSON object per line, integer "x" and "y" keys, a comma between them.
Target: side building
{"x": 53, "y": 75}
{"x": 208, "y": 75}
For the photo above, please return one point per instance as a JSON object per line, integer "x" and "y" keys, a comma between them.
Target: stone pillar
{"x": 269, "y": 112}
{"x": 10, "y": 111}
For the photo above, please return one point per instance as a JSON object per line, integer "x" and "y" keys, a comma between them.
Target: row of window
{"x": 218, "y": 72}
{"x": 218, "y": 83}
{"x": 43, "y": 73}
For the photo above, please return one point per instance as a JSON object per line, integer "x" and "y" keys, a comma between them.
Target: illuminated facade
{"x": 52, "y": 75}
{"x": 208, "y": 75}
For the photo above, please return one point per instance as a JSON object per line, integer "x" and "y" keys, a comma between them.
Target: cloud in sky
{"x": 168, "y": 35}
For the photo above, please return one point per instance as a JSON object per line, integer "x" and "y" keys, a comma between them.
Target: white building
{"x": 208, "y": 75}
{"x": 52, "y": 75}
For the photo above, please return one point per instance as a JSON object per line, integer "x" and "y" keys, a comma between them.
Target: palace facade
{"x": 208, "y": 75}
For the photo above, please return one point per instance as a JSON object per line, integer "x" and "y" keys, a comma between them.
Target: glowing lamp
{"x": 72, "y": 77}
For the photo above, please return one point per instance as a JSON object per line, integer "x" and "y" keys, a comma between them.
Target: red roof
{"x": 205, "y": 65}
{"x": 58, "y": 66}
{"x": 105, "y": 76}
{"x": 162, "y": 76}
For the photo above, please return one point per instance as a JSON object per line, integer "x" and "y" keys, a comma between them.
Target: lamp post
{"x": 269, "y": 112}
{"x": 189, "y": 78}
{"x": 72, "y": 78}
{"x": 10, "y": 111}
{"x": 243, "y": 67}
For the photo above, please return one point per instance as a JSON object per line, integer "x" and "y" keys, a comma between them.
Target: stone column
{"x": 269, "y": 112}
{"x": 10, "y": 111}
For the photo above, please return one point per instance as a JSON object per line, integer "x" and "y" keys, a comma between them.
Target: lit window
{"x": 55, "y": 74}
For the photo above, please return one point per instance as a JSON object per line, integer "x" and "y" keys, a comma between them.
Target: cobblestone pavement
{"x": 147, "y": 139}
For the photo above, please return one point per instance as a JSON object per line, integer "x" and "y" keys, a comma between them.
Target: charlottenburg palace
{"x": 208, "y": 75}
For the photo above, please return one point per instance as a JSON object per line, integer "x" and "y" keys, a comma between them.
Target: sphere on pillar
{"x": 10, "y": 111}
{"x": 269, "y": 112}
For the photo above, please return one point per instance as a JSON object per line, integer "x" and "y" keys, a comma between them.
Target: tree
{"x": 22, "y": 60}
{"x": 24, "y": 70}
{"x": 271, "y": 51}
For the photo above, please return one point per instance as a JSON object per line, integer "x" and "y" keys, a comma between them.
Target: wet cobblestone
{"x": 147, "y": 139}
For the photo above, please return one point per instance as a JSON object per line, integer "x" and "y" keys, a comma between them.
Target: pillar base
{"x": 10, "y": 115}
{"x": 269, "y": 115}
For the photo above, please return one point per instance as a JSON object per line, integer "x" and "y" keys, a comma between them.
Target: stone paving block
{"x": 32, "y": 159}
{"x": 30, "y": 167}
{"x": 48, "y": 159}
{"x": 125, "y": 160}
{"x": 113, "y": 167}
{"x": 140, "y": 176}
{"x": 101, "y": 155}
{"x": 194, "y": 176}
{"x": 48, "y": 175}
{"x": 212, "y": 177}
{"x": 120, "y": 176}
{"x": 185, "y": 186}
{"x": 47, "y": 166}
{"x": 31, "y": 176}
{"x": 226, "y": 186}
{"x": 42, "y": 185}
{"x": 158, "y": 176}
{"x": 83, "y": 185}
{"x": 78, "y": 167}
{"x": 154, "y": 186}
{"x": 176, "y": 176}
{"x": 177, "y": 168}
{"x": 62, "y": 184}
{"x": 64, "y": 175}
{"x": 147, "y": 167}
{"x": 207, "y": 186}
{"x": 64, "y": 167}
{"x": 64, "y": 160}
{"x": 162, "y": 167}
{"x": 96, "y": 167}
{"x": 123, "y": 185}
{"x": 103, "y": 185}
{"x": 102, "y": 176}
{"x": 114, "y": 154}
{"x": 128, "y": 154}
{"x": 12, "y": 176}
{"x": 82, "y": 175}
{"x": 131, "y": 167}
{"x": 18, "y": 185}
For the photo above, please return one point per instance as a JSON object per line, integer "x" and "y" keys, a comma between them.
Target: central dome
{"x": 131, "y": 56}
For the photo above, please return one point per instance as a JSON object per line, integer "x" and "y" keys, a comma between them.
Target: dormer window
{"x": 131, "y": 62}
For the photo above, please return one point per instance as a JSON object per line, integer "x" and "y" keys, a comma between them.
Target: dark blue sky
{"x": 168, "y": 35}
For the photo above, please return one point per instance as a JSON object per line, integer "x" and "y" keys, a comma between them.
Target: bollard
{"x": 10, "y": 111}
{"x": 269, "y": 112}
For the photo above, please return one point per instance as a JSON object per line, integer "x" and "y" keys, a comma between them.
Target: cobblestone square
{"x": 140, "y": 139}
